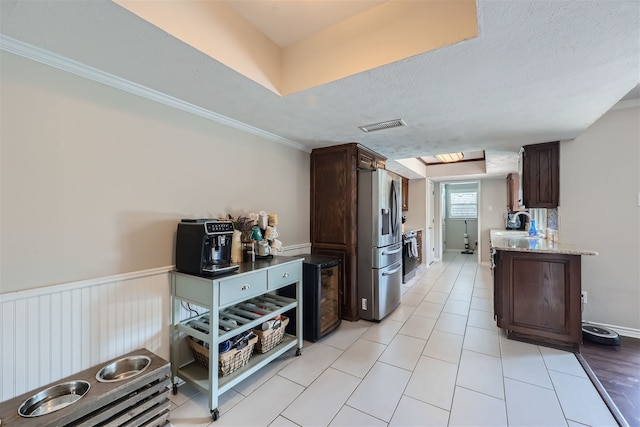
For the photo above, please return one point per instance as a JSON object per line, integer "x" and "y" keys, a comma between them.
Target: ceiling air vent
{"x": 383, "y": 125}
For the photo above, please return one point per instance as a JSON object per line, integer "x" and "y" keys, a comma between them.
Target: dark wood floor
{"x": 618, "y": 370}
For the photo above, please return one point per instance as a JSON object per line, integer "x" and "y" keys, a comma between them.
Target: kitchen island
{"x": 537, "y": 288}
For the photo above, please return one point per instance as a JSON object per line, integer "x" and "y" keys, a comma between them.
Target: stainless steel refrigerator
{"x": 379, "y": 243}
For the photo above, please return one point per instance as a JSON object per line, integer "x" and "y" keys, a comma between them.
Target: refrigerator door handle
{"x": 389, "y": 273}
{"x": 395, "y": 251}
{"x": 394, "y": 207}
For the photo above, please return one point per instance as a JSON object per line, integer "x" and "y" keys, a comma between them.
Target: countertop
{"x": 519, "y": 241}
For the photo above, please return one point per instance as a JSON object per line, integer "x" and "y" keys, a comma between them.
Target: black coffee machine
{"x": 203, "y": 247}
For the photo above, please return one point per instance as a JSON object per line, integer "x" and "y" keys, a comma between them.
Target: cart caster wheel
{"x": 174, "y": 389}
{"x": 215, "y": 414}
{"x": 298, "y": 352}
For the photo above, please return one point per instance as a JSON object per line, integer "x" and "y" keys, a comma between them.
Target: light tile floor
{"x": 437, "y": 360}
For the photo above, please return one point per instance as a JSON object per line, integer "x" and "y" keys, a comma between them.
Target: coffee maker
{"x": 203, "y": 247}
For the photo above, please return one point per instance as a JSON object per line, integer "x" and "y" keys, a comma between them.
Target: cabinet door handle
{"x": 245, "y": 287}
{"x": 285, "y": 275}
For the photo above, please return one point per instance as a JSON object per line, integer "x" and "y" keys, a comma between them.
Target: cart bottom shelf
{"x": 199, "y": 376}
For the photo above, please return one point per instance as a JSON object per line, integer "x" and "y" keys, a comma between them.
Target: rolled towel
{"x": 414, "y": 247}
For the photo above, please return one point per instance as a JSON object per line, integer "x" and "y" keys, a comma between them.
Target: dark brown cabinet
{"x": 369, "y": 160}
{"x": 537, "y": 297}
{"x": 405, "y": 194}
{"x": 513, "y": 186}
{"x": 334, "y": 215}
{"x": 541, "y": 175}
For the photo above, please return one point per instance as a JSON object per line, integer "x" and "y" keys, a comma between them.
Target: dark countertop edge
{"x": 248, "y": 267}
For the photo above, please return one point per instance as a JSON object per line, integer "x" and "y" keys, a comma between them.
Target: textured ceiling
{"x": 538, "y": 71}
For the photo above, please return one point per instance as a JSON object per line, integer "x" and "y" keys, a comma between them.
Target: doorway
{"x": 459, "y": 217}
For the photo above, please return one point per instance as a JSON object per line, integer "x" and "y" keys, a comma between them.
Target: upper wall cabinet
{"x": 405, "y": 194}
{"x": 541, "y": 175}
{"x": 369, "y": 160}
{"x": 513, "y": 187}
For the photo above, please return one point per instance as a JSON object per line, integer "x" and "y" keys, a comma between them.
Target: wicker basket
{"x": 228, "y": 361}
{"x": 271, "y": 337}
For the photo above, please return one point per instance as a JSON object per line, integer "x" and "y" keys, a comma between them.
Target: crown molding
{"x": 25, "y": 50}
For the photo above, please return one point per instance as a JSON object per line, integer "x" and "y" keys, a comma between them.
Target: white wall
{"x": 599, "y": 186}
{"x": 94, "y": 179}
{"x": 417, "y": 213}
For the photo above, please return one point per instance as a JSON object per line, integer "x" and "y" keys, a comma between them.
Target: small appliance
{"x": 466, "y": 240}
{"x": 515, "y": 221}
{"x": 203, "y": 247}
{"x": 599, "y": 334}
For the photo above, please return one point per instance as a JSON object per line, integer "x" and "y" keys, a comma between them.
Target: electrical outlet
{"x": 583, "y": 297}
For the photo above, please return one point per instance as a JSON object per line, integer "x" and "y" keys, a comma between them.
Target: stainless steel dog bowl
{"x": 122, "y": 369}
{"x": 53, "y": 398}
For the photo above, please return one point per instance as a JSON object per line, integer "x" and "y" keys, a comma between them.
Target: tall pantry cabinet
{"x": 334, "y": 211}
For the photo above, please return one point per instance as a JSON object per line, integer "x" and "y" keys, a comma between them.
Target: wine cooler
{"x": 322, "y": 284}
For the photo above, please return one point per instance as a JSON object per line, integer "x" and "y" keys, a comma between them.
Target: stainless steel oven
{"x": 409, "y": 255}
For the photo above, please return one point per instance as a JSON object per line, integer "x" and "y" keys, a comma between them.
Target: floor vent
{"x": 383, "y": 125}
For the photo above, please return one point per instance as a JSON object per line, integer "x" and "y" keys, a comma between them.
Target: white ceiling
{"x": 538, "y": 71}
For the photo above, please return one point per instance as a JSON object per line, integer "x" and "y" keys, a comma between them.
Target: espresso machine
{"x": 203, "y": 247}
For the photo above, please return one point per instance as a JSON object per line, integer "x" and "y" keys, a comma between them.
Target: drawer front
{"x": 243, "y": 287}
{"x": 284, "y": 275}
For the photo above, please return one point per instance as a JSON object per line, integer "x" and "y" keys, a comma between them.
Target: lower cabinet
{"x": 537, "y": 297}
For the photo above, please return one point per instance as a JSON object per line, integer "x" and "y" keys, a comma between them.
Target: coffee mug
{"x": 271, "y": 233}
{"x": 263, "y": 248}
{"x": 263, "y": 219}
{"x": 276, "y": 247}
{"x": 256, "y": 233}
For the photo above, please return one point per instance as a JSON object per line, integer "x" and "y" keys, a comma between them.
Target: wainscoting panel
{"x": 50, "y": 333}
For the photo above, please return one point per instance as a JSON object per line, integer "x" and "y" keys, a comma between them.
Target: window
{"x": 463, "y": 204}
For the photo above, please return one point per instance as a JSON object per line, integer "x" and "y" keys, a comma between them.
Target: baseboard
{"x": 621, "y": 330}
{"x": 291, "y": 250}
